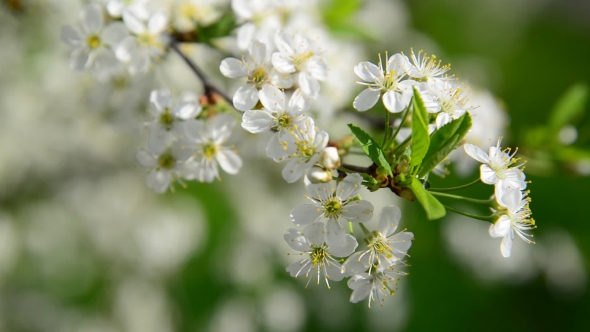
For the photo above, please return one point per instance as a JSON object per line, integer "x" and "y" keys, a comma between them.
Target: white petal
{"x": 398, "y": 63}
{"x": 257, "y": 121}
{"x": 161, "y": 98}
{"x": 367, "y": 71}
{"x": 356, "y": 264}
{"x": 315, "y": 233}
{"x": 258, "y": 53}
{"x": 488, "y": 175}
{"x": 358, "y": 211}
{"x": 319, "y": 191}
{"x": 245, "y": 98}
{"x": 91, "y": 17}
{"x": 158, "y": 22}
{"x": 281, "y": 80}
{"x": 334, "y": 271}
{"x": 158, "y": 138}
{"x": 114, "y": 33}
{"x": 233, "y": 68}
{"x": 219, "y": 128}
{"x": 186, "y": 111}
{"x": 284, "y": 42}
{"x": 244, "y": 34}
{"x": 336, "y": 235}
{"x": 394, "y": 102}
{"x": 133, "y": 23}
{"x": 297, "y": 269}
{"x": 476, "y": 153}
{"x": 71, "y": 36}
{"x": 389, "y": 219}
{"x": 79, "y": 59}
{"x": 293, "y": 171}
{"x": 298, "y": 103}
{"x": 309, "y": 85}
{"x": 277, "y": 149}
{"x": 321, "y": 141}
{"x": 272, "y": 98}
{"x": 296, "y": 240}
{"x": 501, "y": 227}
{"x": 283, "y": 62}
{"x": 366, "y": 99}
{"x": 159, "y": 181}
{"x": 349, "y": 187}
{"x": 361, "y": 285}
{"x": 400, "y": 243}
{"x": 305, "y": 214}
{"x": 146, "y": 159}
{"x": 506, "y": 245}
{"x": 345, "y": 250}
{"x": 229, "y": 161}
{"x": 317, "y": 68}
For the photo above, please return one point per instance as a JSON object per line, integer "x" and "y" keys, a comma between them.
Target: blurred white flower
{"x": 516, "y": 219}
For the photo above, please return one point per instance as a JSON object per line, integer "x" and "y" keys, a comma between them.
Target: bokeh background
{"x": 86, "y": 246}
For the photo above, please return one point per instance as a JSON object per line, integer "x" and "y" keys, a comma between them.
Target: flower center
{"x": 299, "y": 60}
{"x": 379, "y": 245}
{"x": 146, "y": 39}
{"x": 258, "y": 76}
{"x": 166, "y": 161}
{"x": 305, "y": 149}
{"x": 166, "y": 118}
{"x": 390, "y": 80}
{"x": 209, "y": 150}
{"x": 284, "y": 121}
{"x": 318, "y": 254}
{"x": 93, "y": 41}
{"x": 333, "y": 208}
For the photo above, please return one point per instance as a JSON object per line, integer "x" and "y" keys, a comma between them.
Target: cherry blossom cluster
{"x": 280, "y": 76}
{"x": 501, "y": 169}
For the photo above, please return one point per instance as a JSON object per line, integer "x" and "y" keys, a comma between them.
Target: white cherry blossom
{"x": 164, "y": 165}
{"x": 384, "y": 248}
{"x": 116, "y": 8}
{"x": 376, "y": 286}
{"x": 203, "y": 148}
{"x": 423, "y": 67}
{"x": 148, "y": 42}
{"x": 299, "y": 54}
{"x": 447, "y": 97}
{"x": 319, "y": 254}
{"x": 93, "y": 43}
{"x": 498, "y": 168}
{"x": 257, "y": 70}
{"x": 333, "y": 204}
{"x": 515, "y": 220}
{"x": 397, "y": 92}
{"x": 302, "y": 147}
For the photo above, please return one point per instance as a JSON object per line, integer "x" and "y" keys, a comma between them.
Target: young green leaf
{"x": 569, "y": 106}
{"x": 443, "y": 141}
{"x": 420, "y": 136}
{"x": 433, "y": 208}
{"x": 371, "y": 148}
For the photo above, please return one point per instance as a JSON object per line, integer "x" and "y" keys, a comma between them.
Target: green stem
{"x": 386, "y": 135}
{"x": 350, "y": 228}
{"x": 402, "y": 145}
{"x": 458, "y": 187}
{"x": 365, "y": 230}
{"x": 474, "y": 216}
{"x": 401, "y": 123}
{"x": 462, "y": 198}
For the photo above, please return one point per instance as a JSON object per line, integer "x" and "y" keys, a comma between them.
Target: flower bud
{"x": 319, "y": 175}
{"x": 330, "y": 158}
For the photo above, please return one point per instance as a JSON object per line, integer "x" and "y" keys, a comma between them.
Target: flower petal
{"x": 283, "y": 63}
{"x": 91, "y": 17}
{"x": 146, "y": 159}
{"x": 476, "y": 153}
{"x": 488, "y": 175}
{"x": 293, "y": 170}
{"x": 336, "y": 235}
{"x": 358, "y": 211}
{"x": 361, "y": 286}
{"x": 345, "y": 250}
{"x": 229, "y": 161}
{"x": 366, "y": 99}
{"x": 368, "y": 71}
{"x": 305, "y": 214}
{"x": 245, "y": 98}
{"x": 389, "y": 219}
{"x": 506, "y": 245}
{"x": 233, "y": 68}
{"x": 114, "y": 33}
{"x": 158, "y": 22}
{"x": 349, "y": 187}
{"x": 257, "y": 121}
{"x": 296, "y": 240}
{"x": 309, "y": 85}
{"x": 71, "y": 36}
{"x": 315, "y": 233}
{"x": 272, "y": 98}
{"x": 394, "y": 101}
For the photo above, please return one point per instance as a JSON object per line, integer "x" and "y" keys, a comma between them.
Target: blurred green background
{"x": 84, "y": 245}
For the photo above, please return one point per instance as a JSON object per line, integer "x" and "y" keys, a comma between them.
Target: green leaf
{"x": 338, "y": 11}
{"x": 371, "y": 148}
{"x": 420, "y": 136}
{"x": 222, "y": 28}
{"x": 569, "y": 106}
{"x": 433, "y": 208}
{"x": 443, "y": 141}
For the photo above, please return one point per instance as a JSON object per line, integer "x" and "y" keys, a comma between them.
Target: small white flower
{"x": 257, "y": 69}
{"x": 446, "y": 96}
{"x": 116, "y": 8}
{"x": 319, "y": 174}
{"x": 298, "y": 54}
{"x": 396, "y": 93}
{"x": 278, "y": 114}
{"x": 203, "y": 148}
{"x": 333, "y": 204}
{"x": 330, "y": 158}
{"x": 191, "y": 14}
{"x": 164, "y": 167}
{"x": 169, "y": 110}
{"x": 384, "y": 248}
{"x": 93, "y": 43}
{"x": 320, "y": 255}
{"x": 148, "y": 43}
{"x": 302, "y": 147}
{"x": 376, "y": 286}
{"x": 515, "y": 220}
{"x": 498, "y": 168}
{"x": 424, "y": 67}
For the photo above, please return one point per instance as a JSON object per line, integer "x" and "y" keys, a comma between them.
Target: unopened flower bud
{"x": 330, "y": 158}
{"x": 319, "y": 175}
